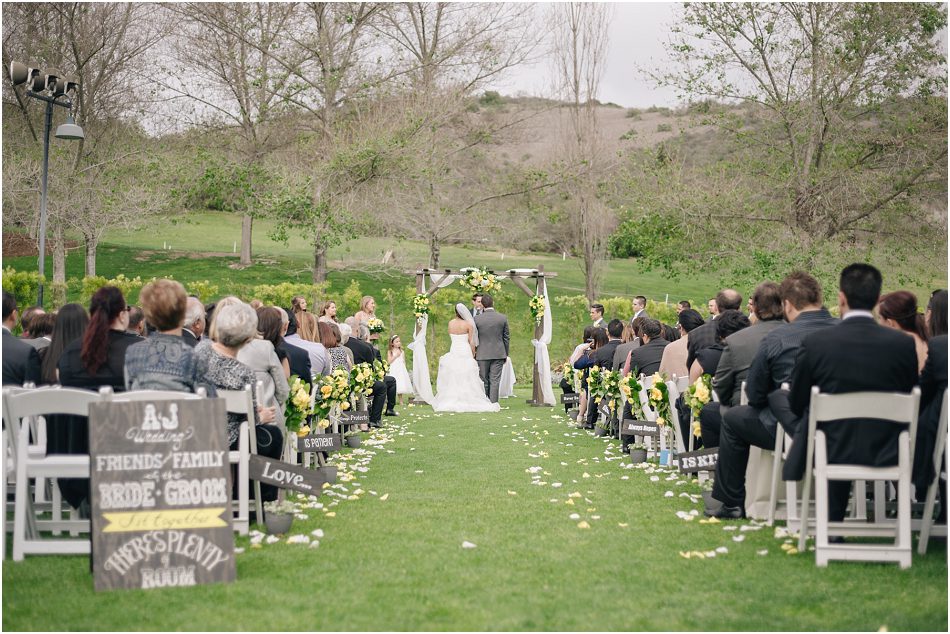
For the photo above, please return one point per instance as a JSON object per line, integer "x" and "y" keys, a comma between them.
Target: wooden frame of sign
{"x": 289, "y": 476}
{"x": 633, "y": 427}
{"x": 160, "y": 485}
{"x": 319, "y": 442}
{"x": 702, "y": 460}
{"x": 354, "y": 417}
{"x": 570, "y": 398}
{"x": 517, "y": 277}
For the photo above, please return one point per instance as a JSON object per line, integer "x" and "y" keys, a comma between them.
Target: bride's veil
{"x": 466, "y": 314}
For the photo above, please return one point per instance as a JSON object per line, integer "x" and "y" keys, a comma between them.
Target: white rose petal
{"x": 318, "y": 532}
{"x": 668, "y": 494}
{"x": 722, "y": 549}
{"x": 764, "y": 551}
{"x": 738, "y": 538}
{"x": 468, "y": 545}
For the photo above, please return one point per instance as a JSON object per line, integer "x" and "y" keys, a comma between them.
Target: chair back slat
{"x": 897, "y": 407}
{"x": 43, "y": 401}
{"x": 238, "y": 401}
{"x": 149, "y": 395}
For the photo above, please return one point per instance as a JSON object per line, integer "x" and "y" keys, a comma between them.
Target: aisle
{"x": 391, "y": 556}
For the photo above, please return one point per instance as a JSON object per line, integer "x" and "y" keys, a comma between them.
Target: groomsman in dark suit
{"x": 646, "y": 359}
{"x": 602, "y": 357}
{"x": 597, "y": 315}
{"x": 477, "y": 308}
{"x": 755, "y": 423}
{"x": 21, "y": 361}
{"x": 640, "y": 307}
{"x": 858, "y": 355}
{"x": 705, "y": 336}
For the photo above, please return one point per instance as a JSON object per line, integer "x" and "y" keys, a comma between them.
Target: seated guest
{"x": 259, "y": 355}
{"x": 383, "y": 391}
{"x": 933, "y": 385}
{"x": 308, "y": 338}
{"x": 332, "y": 335}
{"x": 21, "y": 362}
{"x": 71, "y": 323}
{"x": 26, "y": 321}
{"x": 195, "y": 322}
{"x": 707, "y": 359}
{"x": 629, "y": 341}
{"x": 328, "y": 311}
{"x": 705, "y": 335}
{"x": 233, "y": 325}
{"x": 272, "y": 327}
{"x": 94, "y": 361}
{"x": 755, "y": 423}
{"x": 828, "y": 359}
{"x": 602, "y": 356}
{"x": 597, "y": 341}
{"x": 673, "y": 361}
{"x": 597, "y": 315}
{"x": 669, "y": 333}
{"x": 578, "y": 351}
{"x": 136, "y": 321}
{"x": 298, "y": 304}
{"x": 936, "y": 314}
{"x": 255, "y": 304}
{"x": 738, "y": 352}
{"x": 163, "y": 361}
{"x": 297, "y": 358}
{"x": 898, "y": 311}
{"x": 41, "y": 328}
{"x": 646, "y": 358}
{"x": 683, "y": 305}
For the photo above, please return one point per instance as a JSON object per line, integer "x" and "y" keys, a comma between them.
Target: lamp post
{"x": 49, "y": 88}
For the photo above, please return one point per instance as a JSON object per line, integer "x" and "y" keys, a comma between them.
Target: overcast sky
{"x": 638, "y": 32}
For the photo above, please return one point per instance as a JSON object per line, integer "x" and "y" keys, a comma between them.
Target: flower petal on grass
{"x": 574, "y": 516}
{"x": 764, "y": 551}
{"x": 468, "y": 545}
{"x": 384, "y": 497}
{"x": 583, "y": 525}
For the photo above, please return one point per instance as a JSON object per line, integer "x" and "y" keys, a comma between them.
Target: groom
{"x": 492, "y": 348}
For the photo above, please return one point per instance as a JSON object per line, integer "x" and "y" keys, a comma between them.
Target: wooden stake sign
{"x": 570, "y": 398}
{"x": 631, "y": 427}
{"x": 358, "y": 417}
{"x": 319, "y": 442}
{"x": 702, "y": 460}
{"x": 288, "y": 476}
{"x": 160, "y": 494}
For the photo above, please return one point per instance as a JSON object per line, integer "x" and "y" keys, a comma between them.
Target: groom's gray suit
{"x": 493, "y": 339}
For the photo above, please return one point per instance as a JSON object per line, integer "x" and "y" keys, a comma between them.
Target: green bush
{"x": 349, "y": 304}
{"x": 491, "y": 98}
{"x": 89, "y": 287}
{"x": 664, "y": 127}
{"x": 23, "y": 285}
{"x": 282, "y": 294}
{"x": 205, "y": 290}
{"x": 633, "y": 113}
{"x": 629, "y": 134}
{"x": 639, "y": 237}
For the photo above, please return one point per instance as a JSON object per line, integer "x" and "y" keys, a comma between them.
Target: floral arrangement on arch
{"x": 536, "y": 304}
{"x": 333, "y": 390}
{"x": 375, "y": 325}
{"x": 362, "y": 378}
{"x": 297, "y": 407}
{"x": 420, "y": 306}
{"x": 479, "y": 280}
{"x": 697, "y": 395}
{"x": 659, "y": 398}
{"x": 630, "y": 388}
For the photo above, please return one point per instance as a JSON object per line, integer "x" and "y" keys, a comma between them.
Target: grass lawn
{"x": 398, "y": 564}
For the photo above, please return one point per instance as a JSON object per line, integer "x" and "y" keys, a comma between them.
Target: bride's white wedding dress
{"x": 459, "y": 388}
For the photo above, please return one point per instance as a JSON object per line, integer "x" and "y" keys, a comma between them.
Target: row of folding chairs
{"x": 26, "y": 459}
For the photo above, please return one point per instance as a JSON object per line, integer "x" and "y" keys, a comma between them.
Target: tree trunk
{"x": 59, "y": 254}
{"x": 246, "y": 239}
{"x": 319, "y": 263}
{"x": 435, "y": 253}
{"x": 91, "y": 244}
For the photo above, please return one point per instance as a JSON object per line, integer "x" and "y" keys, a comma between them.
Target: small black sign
{"x": 319, "y": 442}
{"x": 160, "y": 485}
{"x": 360, "y": 417}
{"x": 604, "y": 408}
{"x": 288, "y": 476}
{"x": 631, "y": 427}
{"x": 571, "y": 398}
{"x": 702, "y": 460}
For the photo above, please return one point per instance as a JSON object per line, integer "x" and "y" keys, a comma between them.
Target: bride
{"x": 459, "y": 387}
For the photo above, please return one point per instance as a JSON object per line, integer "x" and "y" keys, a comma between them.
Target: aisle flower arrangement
{"x": 604, "y": 386}
{"x": 479, "y": 280}
{"x": 362, "y": 377}
{"x": 536, "y": 304}
{"x": 333, "y": 392}
{"x": 697, "y": 395}
{"x": 380, "y": 369}
{"x": 572, "y": 376}
{"x": 630, "y": 388}
{"x": 297, "y": 407}
{"x": 420, "y": 306}
{"x": 659, "y": 398}
{"x": 375, "y": 325}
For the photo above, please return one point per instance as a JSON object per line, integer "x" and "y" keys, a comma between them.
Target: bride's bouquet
{"x": 479, "y": 280}
{"x": 375, "y": 325}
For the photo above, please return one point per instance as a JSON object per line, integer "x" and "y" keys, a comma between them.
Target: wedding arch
{"x": 429, "y": 281}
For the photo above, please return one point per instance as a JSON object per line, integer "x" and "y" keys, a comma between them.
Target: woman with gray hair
{"x": 233, "y": 325}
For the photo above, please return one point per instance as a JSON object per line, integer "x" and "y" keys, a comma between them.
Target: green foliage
{"x": 629, "y": 134}
{"x": 633, "y": 113}
{"x": 282, "y": 294}
{"x": 89, "y": 287}
{"x": 126, "y": 285}
{"x": 349, "y": 303}
{"x": 646, "y": 236}
{"x": 23, "y": 285}
{"x": 616, "y": 308}
{"x": 231, "y": 187}
{"x": 491, "y": 98}
{"x": 664, "y": 127}
{"x": 205, "y": 290}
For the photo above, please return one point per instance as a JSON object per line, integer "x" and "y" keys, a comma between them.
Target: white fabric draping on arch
{"x": 541, "y": 356}
{"x": 420, "y": 363}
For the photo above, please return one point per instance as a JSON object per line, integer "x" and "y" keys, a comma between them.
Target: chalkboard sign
{"x": 604, "y": 408}
{"x": 702, "y": 460}
{"x": 631, "y": 427}
{"x": 359, "y": 417}
{"x": 319, "y": 442}
{"x": 160, "y": 494}
{"x": 570, "y": 398}
{"x": 289, "y": 476}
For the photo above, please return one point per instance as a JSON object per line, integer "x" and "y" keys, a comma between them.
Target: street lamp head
{"x": 70, "y": 130}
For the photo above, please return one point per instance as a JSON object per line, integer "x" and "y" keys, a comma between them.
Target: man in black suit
{"x": 858, "y": 355}
{"x": 297, "y": 358}
{"x": 705, "y": 336}
{"x": 602, "y": 357}
{"x": 21, "y": 361}
{"x": 597, "y": 315}
{"x": 194, "y": 322}
{"x": 646, "y": 359}
{"x": 383, "y": 391}
{"x": 755, "y": 423}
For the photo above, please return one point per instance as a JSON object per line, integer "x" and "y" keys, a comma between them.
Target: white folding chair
{"x": 646, "y": 382}
{"x": 33, "y": 464}
{"x": 673, "y": 393}
{"x": 940, "y": 454}
{"x": 897, "y": 408}
{"x": 241, "y": 402}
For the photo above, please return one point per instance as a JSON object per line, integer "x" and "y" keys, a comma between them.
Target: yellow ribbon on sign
{"x": 163, "y": 520}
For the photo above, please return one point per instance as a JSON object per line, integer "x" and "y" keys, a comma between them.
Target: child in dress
{"x": 397, "y": 367}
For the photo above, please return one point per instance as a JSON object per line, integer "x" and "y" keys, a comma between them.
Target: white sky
{"x": 638, "y": 32}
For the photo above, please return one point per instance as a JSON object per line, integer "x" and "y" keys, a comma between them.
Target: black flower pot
{"x": 600, "y": 432}
{"x": 638, "y": 455}
{"x": 278, "y": 523}
{"x": 353, "y": 441}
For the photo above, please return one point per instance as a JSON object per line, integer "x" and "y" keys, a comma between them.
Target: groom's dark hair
{"x": 487, "y": 301}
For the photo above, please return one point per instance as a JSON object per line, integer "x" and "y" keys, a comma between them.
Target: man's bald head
{"x": 728, "y": 299}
